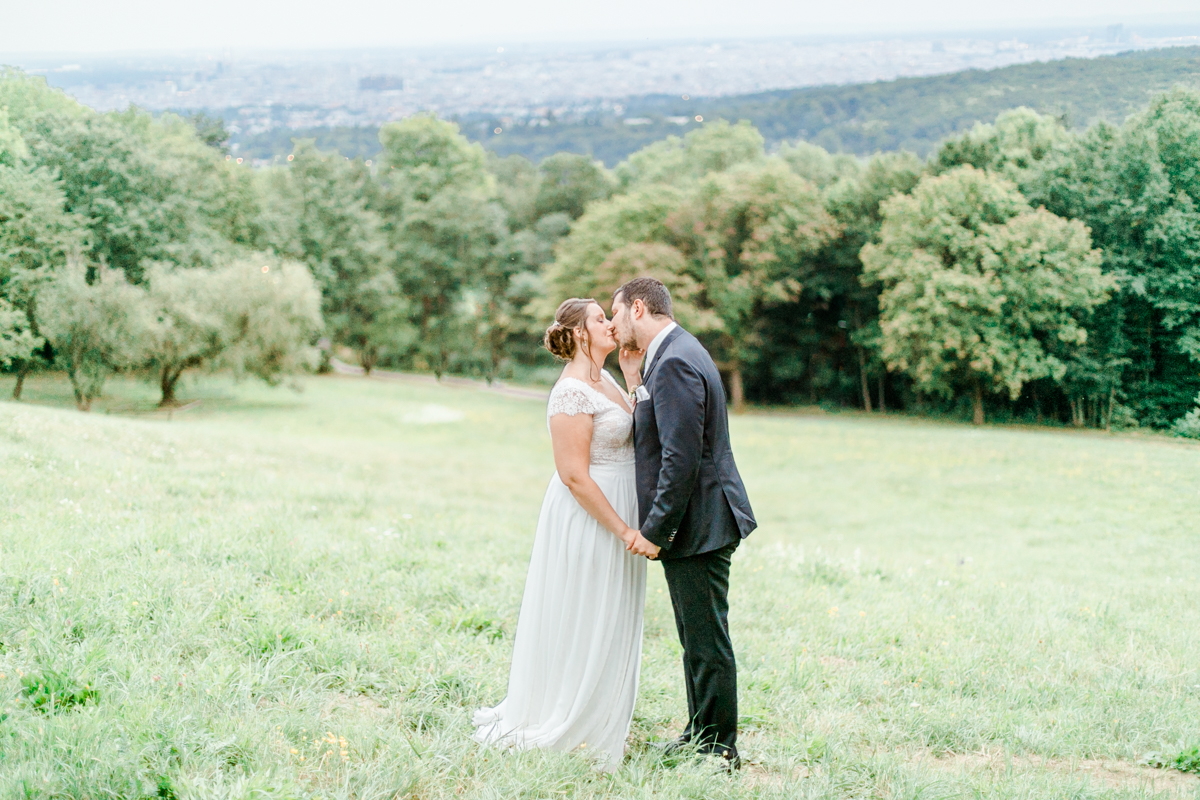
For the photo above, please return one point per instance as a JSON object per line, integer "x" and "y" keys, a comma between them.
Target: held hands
{"x": 641, "y": 546}
{"x": 628, "y": 536}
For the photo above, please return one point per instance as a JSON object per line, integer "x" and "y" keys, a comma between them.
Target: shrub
{"x": 1188, "y": 425}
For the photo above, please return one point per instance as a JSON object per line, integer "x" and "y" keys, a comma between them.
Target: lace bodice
{"x": 612, "y": 425}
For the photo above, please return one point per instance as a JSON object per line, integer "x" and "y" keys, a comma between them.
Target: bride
{"x": 575, "y": 663}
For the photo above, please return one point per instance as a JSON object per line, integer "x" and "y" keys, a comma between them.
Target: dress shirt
{"x": 652, "y": 349}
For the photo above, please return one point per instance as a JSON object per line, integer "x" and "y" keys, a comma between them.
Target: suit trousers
{"x": 699, "y": 587}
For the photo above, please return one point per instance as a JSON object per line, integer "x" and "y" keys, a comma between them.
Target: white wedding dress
{"x": 578, "y": 648}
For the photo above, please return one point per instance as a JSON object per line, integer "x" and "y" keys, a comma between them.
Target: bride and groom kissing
{"x": 643, "y": 473}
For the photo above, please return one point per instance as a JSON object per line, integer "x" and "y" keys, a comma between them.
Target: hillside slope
{"x": 909, "y": 113}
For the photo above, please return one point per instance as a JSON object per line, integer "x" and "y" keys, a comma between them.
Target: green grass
{"x": 277, "y": 594}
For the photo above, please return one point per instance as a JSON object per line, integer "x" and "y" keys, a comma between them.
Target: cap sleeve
{"x": 570, "y": 397}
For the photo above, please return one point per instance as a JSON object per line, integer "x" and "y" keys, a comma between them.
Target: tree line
{"x": 1023, "y": 271}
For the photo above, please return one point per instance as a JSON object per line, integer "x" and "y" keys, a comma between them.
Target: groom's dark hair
{"x": 650, "y": 291}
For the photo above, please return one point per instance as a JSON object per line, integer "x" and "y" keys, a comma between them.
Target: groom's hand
{"x": 642, "y": 546}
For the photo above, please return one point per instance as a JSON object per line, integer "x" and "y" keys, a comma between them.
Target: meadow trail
{"x": 305, "y": 594}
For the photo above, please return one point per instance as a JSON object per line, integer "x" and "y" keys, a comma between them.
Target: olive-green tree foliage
{"x": 713, "y": 147}
{"x": 274, "y": 323}
{"x": 637, "y": 217}
{"x": 257, "y": 316}
{"x": 979, "y": 291}
{"x": 144, "y": 189}
{"x": 568, "y": 182}
{"x": 512, "y": 290}
{"x": 817, "y": 165}
{"x": 443, "y": 228}
{"x": 96, "y": 326}
{"x": 36, "y": 236}
{"x": 1014, "y": 146}
{"x": 750, "y": 236}
{"x": 823, "y": 345}
{"x": 517, "y": 183}
{"x": 318, "y": 211}
{"x": 1137, "y": 188}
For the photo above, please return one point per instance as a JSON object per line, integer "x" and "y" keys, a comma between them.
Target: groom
{"x": 692, "y": 505}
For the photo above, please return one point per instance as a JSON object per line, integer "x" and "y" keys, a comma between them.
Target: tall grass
{"x": 278, "y": 595}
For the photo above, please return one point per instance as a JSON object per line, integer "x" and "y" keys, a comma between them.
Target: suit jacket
{"x": 690, "y": 496}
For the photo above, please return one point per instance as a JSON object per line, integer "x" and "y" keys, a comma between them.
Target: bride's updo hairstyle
{"x": 560, "y": 336}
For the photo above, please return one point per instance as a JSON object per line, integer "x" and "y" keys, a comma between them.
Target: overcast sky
{"x": 144, "y": 25}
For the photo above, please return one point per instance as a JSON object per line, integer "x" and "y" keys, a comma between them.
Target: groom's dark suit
{"x": 692, "y": 504}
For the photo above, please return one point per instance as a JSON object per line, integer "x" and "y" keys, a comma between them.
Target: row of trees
{"x": 1024, "y": 268}
{"x": 128, "y": 243}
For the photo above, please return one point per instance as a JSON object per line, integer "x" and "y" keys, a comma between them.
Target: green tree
{"x": 715, "y": 147}
{"x": 980, "y": 292}
{"x": 443, "y": 228}
{"x": 37, "y": 235}
{"x": 275, "y": 320}
{"x": 517, "y": 184}
{"x": 637, "y": 217}
{"x": 1014, "y": 146}
{"x": 96, "y": 327}
{"x": 147, "y": 190}
{"x": 750, "y": 235}
{"x": 568, "y": 182}
{"x": 836, "y": 322}
{"x": 814, "y": 163}
{"x": 512, "y": 291}
{"x": 1138, "y": 190}
{"x": 317, "y": 210}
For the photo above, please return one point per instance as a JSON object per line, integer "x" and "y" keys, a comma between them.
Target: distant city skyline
{"x": 84, "y": 26}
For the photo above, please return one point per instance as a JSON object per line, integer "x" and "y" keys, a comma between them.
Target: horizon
{"x": 251, "y": 29}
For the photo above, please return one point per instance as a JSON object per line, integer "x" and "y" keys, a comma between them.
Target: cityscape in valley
{"x": 536, "y": 84}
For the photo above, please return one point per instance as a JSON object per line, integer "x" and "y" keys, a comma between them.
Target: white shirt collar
{"x": 655, "y": 343}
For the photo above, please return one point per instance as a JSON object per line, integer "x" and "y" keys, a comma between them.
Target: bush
{"x": 1189, "y": 424}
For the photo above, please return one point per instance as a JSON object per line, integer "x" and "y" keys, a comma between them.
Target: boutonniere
{"x": 640, "y": 392}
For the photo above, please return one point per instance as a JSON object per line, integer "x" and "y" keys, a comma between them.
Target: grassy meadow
{"x": 282, "y": 594}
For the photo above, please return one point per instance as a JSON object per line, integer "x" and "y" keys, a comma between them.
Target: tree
{"x": 147, "y": 190}
{"x": 442, "y": 227}
{"x": 979, "y": 291}
{"x": 715, "y": 147}
{"x": 835, "y": 326}
{"x": 317, "y": 211}
{"x": 510, "y": 292}
{"x": 277, "y": 319}
{"x": 749, "y": 235}
{"x": 1014, "y": 146}
{"x": 517, "y": 184}
{"x": 36, "y": 236}
{"x": 1138, "y": 191}
{"x": 568, "y": 182}
{"x": 255, "y": 316}
{"x": 608, "y": 225}
{"x": 814, "y": 163}
{"x": 96, "y": 327}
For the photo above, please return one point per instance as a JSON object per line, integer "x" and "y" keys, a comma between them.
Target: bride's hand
{"x": 631, "y": 362}
{"x": 629, "y": 536}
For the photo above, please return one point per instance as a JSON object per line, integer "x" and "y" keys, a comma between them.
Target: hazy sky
{"x": 124, "y": 25}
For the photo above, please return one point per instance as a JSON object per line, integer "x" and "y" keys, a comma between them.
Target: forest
{"x": 906, "y": 114}
{"x": 1023, "y": 271}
